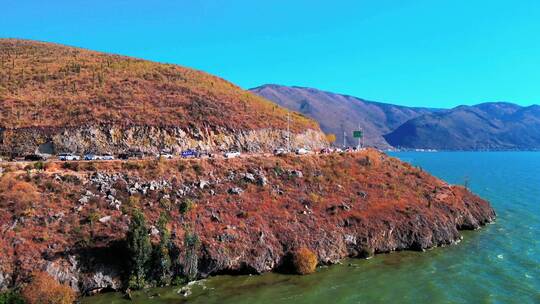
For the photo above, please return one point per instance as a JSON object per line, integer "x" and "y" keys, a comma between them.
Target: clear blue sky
{"x": 438, "y": 53}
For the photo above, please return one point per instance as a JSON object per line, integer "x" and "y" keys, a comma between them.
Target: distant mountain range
{"x": 339, "y": 114}
{"x": 486, "y": 126}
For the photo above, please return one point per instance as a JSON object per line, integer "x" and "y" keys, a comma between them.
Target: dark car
{"x": 33, "y": 157}
{"x": 131, "y": 154}
{"x": 136, "y": 154}
{"x": 123, "y": 156}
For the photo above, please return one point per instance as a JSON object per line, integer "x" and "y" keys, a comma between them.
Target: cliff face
{"x": 149, "y": 139}
{"x": 249, "y": 213}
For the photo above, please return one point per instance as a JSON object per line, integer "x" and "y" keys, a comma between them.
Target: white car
{"x": 90, "y": 156}
{"x": 280, "y": 151}
{"x": 302, "y": 151}
{"x": 104, "y": 157}
{"x": 164, "y": 155}
{"x": 231, "y": 154}
{"x": 68, "y": 157}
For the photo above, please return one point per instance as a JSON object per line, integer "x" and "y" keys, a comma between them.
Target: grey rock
{"x": 262, "y": 180}
{"x": 203, "y": 184}
{"x": 105, "y": 219}
{"x": 250, "y": 178}
{"x": 236, "y": 191}
{"x": 296, "y": 173}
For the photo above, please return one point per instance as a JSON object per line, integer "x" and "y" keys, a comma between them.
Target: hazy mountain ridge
{"x": 486, "y": 126}
{"x": 337, "y": 113}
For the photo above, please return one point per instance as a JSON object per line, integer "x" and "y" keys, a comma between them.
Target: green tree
{"x": 139, "y": 249}
{"x": 162, "y": 258}
{"x": 11, "y": 297}
{"x": 191, "y": 243}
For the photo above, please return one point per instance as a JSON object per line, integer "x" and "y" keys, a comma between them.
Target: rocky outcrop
{"x": 149, "y": 139}
{"x": 249, "y": 214}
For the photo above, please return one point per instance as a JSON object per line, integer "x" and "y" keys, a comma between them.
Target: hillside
{"x": 56, "y": 92}
{"x": 337, "y": 113}
{"x": 247, "y": 215}
{"x": 488, "y": 126}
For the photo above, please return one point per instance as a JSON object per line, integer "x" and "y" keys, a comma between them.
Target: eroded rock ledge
{"x": 248, "y": 213}
{"x": 148, "y": 139}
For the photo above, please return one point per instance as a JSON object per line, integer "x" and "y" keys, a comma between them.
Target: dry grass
{"x": 49, "y": 85}
{"x": 43, "y": 289}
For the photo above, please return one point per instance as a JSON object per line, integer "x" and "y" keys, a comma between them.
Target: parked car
{"x": 68, "y": 157}
{"x": 205, "y": 154}
{"x": 231, "y": 154}
{"x": 33, "y": 157}
{"x": 302, "y": 151}
{"x": 136, "y": 154}
{"x": 326, "y": 151}
{"x": 280, "y": 151}
{"x": 165, "y": 154}
{"x": 106, "y": 157}
{"x": 89, "y": 156}
{"x": 189, "y": 154}
{"x": 123, "y": 156}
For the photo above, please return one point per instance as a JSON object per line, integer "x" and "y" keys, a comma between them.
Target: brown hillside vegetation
{"x": 248, "y": 214}
{"x": 50, "y": 85}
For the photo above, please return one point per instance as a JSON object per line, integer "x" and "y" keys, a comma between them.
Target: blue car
{"x": 189, "y": 153}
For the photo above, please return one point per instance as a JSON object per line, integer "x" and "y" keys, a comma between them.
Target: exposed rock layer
{"x": 248, "y": 213}
{"x": 149, "y": 139}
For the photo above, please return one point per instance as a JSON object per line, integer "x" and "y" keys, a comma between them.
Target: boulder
{"x": 236, "y": 191}
{"x": 105, "y": 219}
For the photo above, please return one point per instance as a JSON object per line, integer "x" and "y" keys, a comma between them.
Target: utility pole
{"x": 288, "y": 131}
{"x": 359, "y": 138}
{"x": 344, "y": 139}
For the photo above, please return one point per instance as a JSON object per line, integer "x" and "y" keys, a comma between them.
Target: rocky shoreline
{"x": 249, "y": 214}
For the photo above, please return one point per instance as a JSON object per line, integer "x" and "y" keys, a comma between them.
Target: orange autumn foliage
{"x": 304, "y": 260}
{"x": 43, "y": 289}
{"x": 17, "y": 193}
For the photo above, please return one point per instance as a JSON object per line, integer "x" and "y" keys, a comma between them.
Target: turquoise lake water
{"x": 497, "y": 264}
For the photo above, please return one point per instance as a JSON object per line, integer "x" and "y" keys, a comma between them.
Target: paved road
{"x": 177, "y": 157}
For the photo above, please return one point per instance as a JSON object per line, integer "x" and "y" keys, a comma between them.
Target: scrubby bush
{"x": 11, "y": 297}
{"x": 17, "y": 192}
{"x": 197, "y": 168}
{"x": 304, "y": 261}
{"x": 186, "y": 205}
{"x": 43, "y": 289}
{"x": 39, "y": 166}
{"x": 70, "y": 166}
{"x": 90, "y": 166}
{"x": 131, "y": 165}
